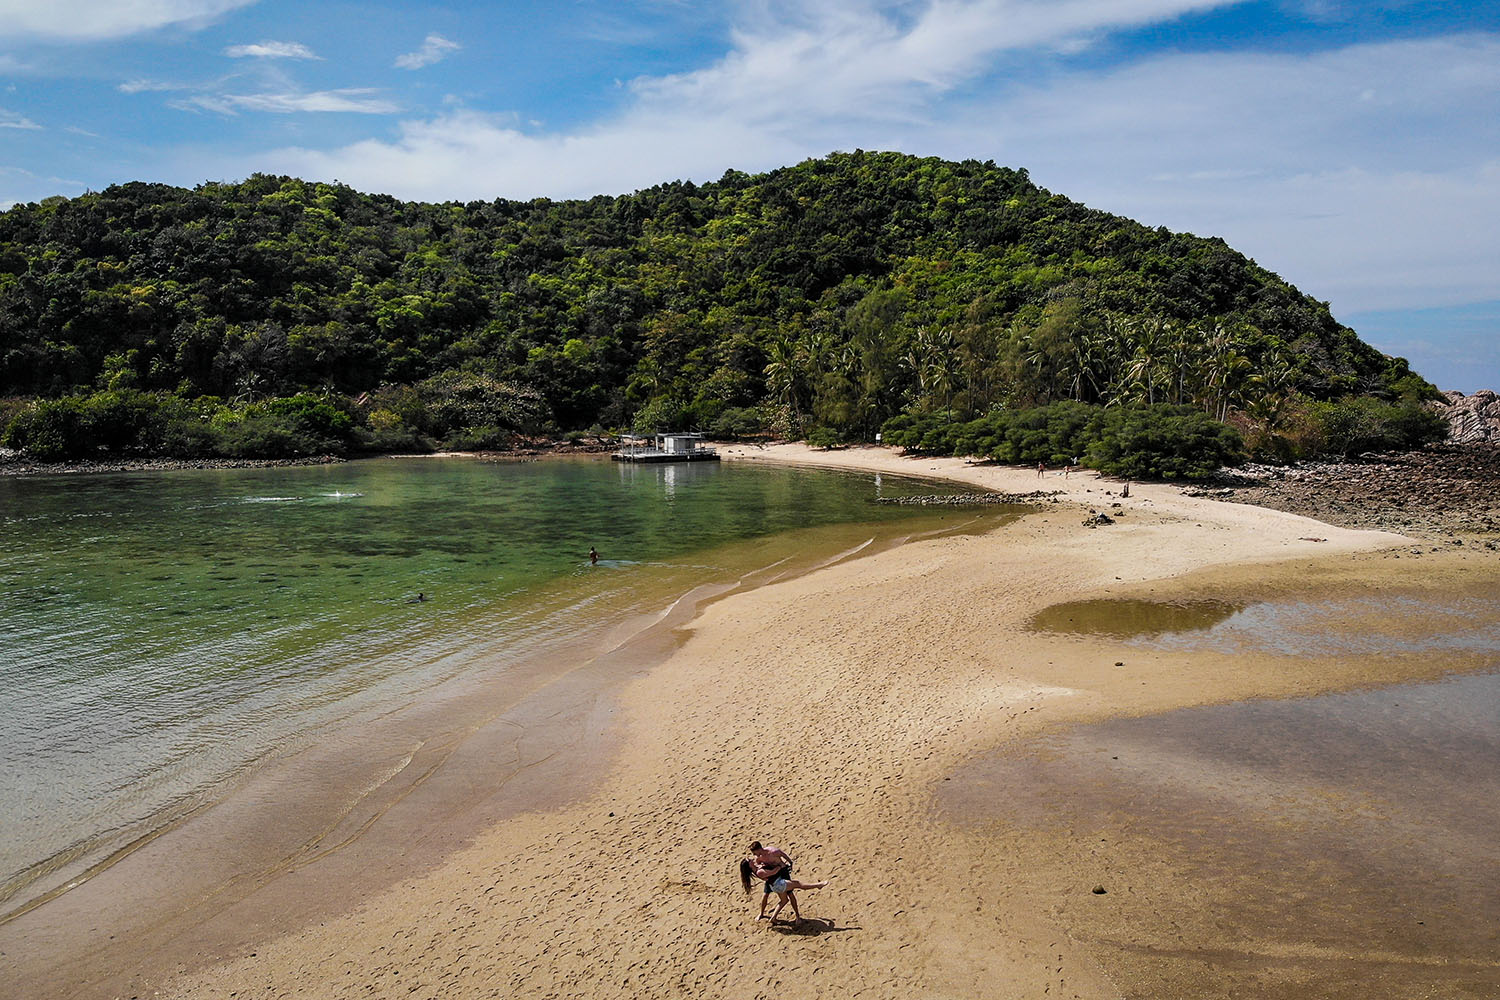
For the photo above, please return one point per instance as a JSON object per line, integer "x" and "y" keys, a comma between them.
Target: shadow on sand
{"x": 808, "y": 927}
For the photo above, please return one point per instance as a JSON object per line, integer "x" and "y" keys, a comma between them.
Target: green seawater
{"x": 163, "y": 632}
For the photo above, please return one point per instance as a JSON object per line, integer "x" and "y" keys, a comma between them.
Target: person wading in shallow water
{"x": 773, "y": 866}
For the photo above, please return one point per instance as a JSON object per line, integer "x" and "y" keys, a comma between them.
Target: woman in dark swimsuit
{"x": 773, "y": 866}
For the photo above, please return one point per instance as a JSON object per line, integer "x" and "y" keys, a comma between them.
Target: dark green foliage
{"x": 479, "y": 407}
{"x": 825, "y": 438}
{"x": 312, "y": 415}
{"x": 75, "y": 427}
{"x": 271, "y": 435}
{"x": 836, "y": 294}
{"x": 1054, "y": 434}
{"x": 1161, "y": 441}
{"x": 736, "y": 424}
{"x": 659, "y": 415}
{"x": 1359, "y": 424}
{"x": 52, "y": 430}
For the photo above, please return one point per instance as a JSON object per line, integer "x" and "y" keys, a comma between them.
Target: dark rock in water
{"x": 13, "y": 463}
{"x": 968, "y": 499}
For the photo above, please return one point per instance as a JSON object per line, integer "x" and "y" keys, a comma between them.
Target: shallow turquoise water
{"x": 164, "y": 630}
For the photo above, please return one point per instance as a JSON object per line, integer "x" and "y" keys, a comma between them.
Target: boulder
{"x": 1471, "y": 418}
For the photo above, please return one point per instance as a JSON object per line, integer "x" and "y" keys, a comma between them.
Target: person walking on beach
{"x": 1041, "y": 469}
{"x": 773, "y": 866}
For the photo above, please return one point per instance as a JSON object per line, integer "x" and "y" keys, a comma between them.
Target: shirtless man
{"x": 774, "y": 866}
{"x": 770, "y": 863}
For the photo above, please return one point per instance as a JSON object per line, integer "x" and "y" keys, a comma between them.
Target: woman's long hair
{"x": 745, "y": 871}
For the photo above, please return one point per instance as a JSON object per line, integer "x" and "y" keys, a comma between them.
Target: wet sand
{"x": 833, "y": 714}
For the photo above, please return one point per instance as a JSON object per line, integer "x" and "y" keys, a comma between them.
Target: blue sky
{"x": 1352, "y": 147}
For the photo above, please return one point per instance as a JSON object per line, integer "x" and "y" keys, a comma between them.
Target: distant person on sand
{"x": 1041, "y": 469}
{"x": 593, "y": 556}
{"x": 774, "y": 867}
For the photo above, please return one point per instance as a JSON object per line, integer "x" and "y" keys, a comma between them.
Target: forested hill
{"x": 836, "y": 293}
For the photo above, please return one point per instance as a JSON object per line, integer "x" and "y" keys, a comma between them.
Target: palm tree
{"x": 1228, "y": 371}
{"x": 1273, "y": 385}
{"x": 784, "y": 374}
{"x": 1116, "y": 344}
{"x": 1150, "y": 343}
{"x": 1080, "y": 365}
{"x": 1182, "y": 350}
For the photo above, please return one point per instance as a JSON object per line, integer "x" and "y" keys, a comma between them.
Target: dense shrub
{"x": 314, "y": 416}
{"x": 825, "y": 438}
{"x": 1162, "y": 442}
{"x": 269, "y": 435}
{"x": 736, "y": 423}
{"x": 661, "y": 414}
{"x": 390, "y": 440}
{"x": 52, "y": 430}
{"x": 1142, "y": 442}
{"x": 117, "y": 421}
{"x": 1359, "y": 423}
{"x": 481, "y": 439}
{"x": 909, "y": 430}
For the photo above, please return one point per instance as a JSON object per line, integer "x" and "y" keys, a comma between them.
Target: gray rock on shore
{"x": 1471, "y": 419}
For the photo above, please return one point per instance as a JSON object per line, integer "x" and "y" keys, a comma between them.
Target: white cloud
{"x": 354, "y": 100}
{"x": 19, "y": 186}
{"x": 90, "y": 20}
{"x": 145, "y": 86}
{"x": 797, "y": 82}
{"x": 468, "y": 154}
{"x": 1387, "y": 202}
{"x": 271, "y": 50}
{"x": 13, "y": 119}
{"x": 873, "y": 59}
{"x": 1365, "y": 175}
{"x": 434, "y": 49}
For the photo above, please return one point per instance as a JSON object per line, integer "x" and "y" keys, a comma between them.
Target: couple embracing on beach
{"x": 773, "y": 866}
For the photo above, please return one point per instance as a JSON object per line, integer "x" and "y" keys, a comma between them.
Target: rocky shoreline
{"x": 15, "y": 465}
{"x": 967, "y": 499}
{"x": 1448, "y": 490}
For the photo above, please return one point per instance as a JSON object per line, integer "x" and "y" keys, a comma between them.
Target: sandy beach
{"x": 832, "y": 715}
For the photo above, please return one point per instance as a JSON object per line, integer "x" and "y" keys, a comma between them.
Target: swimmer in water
{"x": 593, "y": 556}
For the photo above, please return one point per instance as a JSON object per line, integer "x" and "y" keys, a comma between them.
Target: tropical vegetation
{"x": 832, "y": 299}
